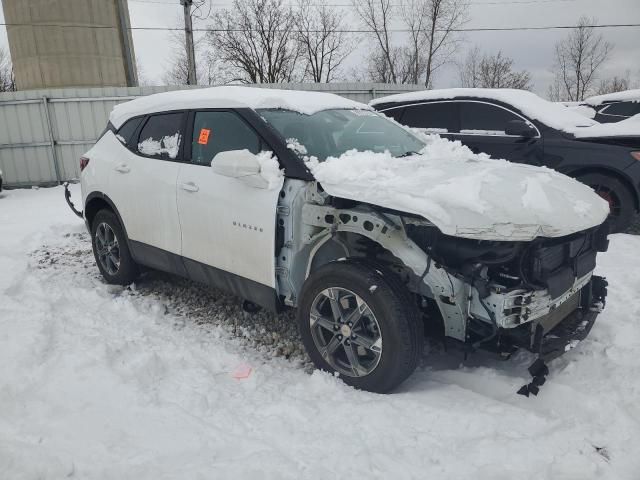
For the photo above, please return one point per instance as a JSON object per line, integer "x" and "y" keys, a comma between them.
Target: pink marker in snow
{"x": 242, "y": 371}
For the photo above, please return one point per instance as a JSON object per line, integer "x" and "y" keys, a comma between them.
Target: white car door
{"x": 147, "y": 174}
{"x": 228, "y": 226}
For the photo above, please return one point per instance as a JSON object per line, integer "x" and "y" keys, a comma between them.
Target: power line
{"x": 463, "y": 29}
{"x": 351, "y": 5}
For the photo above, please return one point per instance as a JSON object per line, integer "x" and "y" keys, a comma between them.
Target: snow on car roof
{"x": 231, "y": 97}
{"x": 629, "y": 127}
{"x": 626, "y": 95}
{"x": 531, "y": 105}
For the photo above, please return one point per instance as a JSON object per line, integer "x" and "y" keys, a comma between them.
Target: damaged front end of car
{"x": 539, "y": 295}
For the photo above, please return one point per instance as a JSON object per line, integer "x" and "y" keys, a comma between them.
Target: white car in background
{"x": 311, "y": 201}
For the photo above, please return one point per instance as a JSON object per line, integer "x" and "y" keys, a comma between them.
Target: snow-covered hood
{"x": 465, "y": 194}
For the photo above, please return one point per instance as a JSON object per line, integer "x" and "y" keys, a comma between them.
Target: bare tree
{"x": 257, "y": 39}
{"x": 377, "y": 16}
{"x": 414, "y": 14}
{"x": 577, "y": 60}
{"x": 7, "y": 79}
{"x": 431, "y": 26}
{"x": 444, "y": 17}
{"x": 615, "y": 84}
{"x": 322, "y": 39}
{"x": 492, "y": 71}
{"x": 177, "y": 71}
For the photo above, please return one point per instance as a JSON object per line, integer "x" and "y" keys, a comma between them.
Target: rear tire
{"x": 382, "y": 344}
{"x": 111, "y": 250}
{"x": 621, "y": 200}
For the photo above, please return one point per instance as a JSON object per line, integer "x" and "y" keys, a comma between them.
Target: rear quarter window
{"x": 126, "y": 131}
{"x": 161, "y": 136}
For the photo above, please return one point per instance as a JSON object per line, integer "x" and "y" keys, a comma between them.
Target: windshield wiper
{"x": 408, "y": 154}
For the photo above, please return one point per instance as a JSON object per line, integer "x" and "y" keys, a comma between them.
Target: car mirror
{"x": 520, "y": 128}
{"x": 240, "y": 164}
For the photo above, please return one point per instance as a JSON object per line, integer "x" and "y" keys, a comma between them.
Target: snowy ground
{"x": 98, "y": 382}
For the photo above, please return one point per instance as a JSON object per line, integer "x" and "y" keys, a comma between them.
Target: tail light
{"x": 84, "y": 161}
{"x": 636, "y": 155}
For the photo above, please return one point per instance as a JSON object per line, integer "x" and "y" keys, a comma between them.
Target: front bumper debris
{"x": 67, "y": 197}
{"x": 566, "y": 335}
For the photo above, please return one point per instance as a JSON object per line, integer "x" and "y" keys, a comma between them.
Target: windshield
{"x": 330, "y": 133}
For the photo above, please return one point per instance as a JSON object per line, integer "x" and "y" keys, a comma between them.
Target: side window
{"x": 161, "y": 136}
{"x": 126, "y": 131}
{"x": 623, "y": 109}
{"x": 215, "y": 132}
{"x": 395, "y": 113}
{"x": 440, "y": 117}
{"x": 482, "y": 118}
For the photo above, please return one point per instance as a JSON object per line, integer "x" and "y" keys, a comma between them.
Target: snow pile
{"x": 463, "y": 193}
{"x": 231, "y": 97}
{"x": 270, "y": 169}
{"x": 169, "y": 145}
{"x": 583, "y": 110}
{"x": 624, "y": 96}
{"x": 101, "y": 382}
{"x": 529, "y": 104}
{"x": 629, "y": 127}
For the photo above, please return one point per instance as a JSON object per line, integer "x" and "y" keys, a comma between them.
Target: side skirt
{"x": 159, "y": 259}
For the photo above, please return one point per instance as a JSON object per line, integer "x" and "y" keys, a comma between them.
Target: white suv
{"x": 372, "y": 232}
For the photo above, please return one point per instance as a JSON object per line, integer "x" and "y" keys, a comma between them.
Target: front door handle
{"x": 190, "y": 187}
{"x": 123, "y": 168}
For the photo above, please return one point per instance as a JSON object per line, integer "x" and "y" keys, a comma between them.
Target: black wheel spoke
{"x": 322, "y": 321}
{"x": 368, "y": 343}
{"x": 331, "y": 347}
{"x": 354, "y": 360}
{"x": 333, "y": 295}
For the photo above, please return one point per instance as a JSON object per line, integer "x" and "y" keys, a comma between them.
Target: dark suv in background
{"x": 615, "y": 107}
{"x": 521, "y": 127}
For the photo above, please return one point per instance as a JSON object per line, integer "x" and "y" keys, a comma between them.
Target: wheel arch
{"x": 97, "y": 201}
{"x": 609, "y": 173}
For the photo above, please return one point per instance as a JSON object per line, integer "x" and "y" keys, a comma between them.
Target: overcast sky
{"x": 531, "y": 50}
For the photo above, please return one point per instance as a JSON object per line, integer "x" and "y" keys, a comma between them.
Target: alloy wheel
{"x": 345, "y": 332}
{"x": 107, "y": 248}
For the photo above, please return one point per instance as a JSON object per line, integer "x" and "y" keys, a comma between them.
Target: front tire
{"x": 360, "y": 322}
{"x": 621, "y": 200}
{"x": 111, "y": 250}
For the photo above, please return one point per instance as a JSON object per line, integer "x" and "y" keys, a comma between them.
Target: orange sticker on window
{"x": 203, "y": 139}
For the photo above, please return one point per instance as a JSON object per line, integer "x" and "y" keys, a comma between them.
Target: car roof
{"x": 624, "y": 96}
{"x": 305, "y": 102}
{"x": 529, "y": 104}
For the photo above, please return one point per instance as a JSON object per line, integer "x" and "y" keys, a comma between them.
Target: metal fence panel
{"x": 44, "y": 132}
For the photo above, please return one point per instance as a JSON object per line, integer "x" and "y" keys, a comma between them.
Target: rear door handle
{"x": 123, "y": 168}
{"x": 190, "y": 187}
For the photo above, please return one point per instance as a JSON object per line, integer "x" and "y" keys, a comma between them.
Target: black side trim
{"x": 156, "y": 258}
{"x": 159, "y": 259}
{"x": 243, "y": 287}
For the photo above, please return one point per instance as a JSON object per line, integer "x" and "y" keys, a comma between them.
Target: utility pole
{"x": 192, "y": 79}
